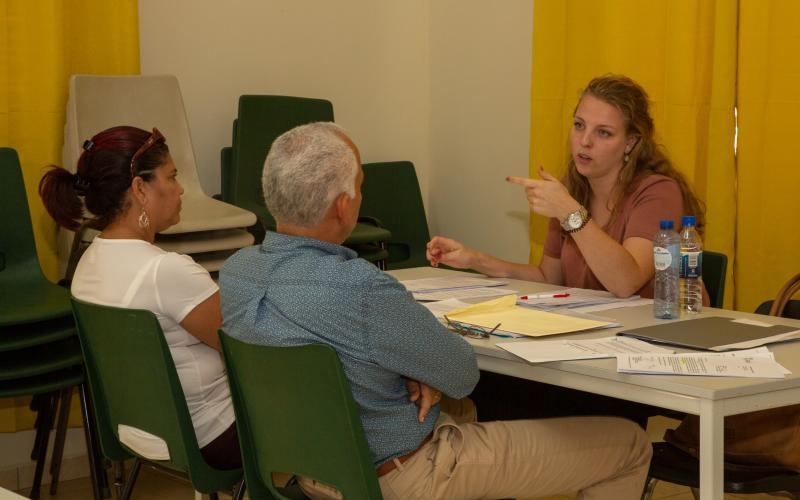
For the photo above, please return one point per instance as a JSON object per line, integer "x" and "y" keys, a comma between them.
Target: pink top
{"x": 654, "y": 199}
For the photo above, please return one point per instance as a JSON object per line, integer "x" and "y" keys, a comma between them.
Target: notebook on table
{"x": 715, "y": 333}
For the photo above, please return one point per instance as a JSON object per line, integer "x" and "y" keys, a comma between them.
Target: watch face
{"x": 574, "y": 220}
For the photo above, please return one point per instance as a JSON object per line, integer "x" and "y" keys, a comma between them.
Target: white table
{"x": 711, "y": 398}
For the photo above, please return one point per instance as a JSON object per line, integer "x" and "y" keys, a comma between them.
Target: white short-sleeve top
{"x": 136, "y": 274}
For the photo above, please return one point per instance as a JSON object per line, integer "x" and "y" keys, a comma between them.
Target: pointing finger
{"x": 522, "y": 181}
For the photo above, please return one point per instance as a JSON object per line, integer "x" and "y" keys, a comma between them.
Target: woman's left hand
{"x": 547, "y": 197}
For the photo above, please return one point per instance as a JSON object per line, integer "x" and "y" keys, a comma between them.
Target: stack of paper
{"x": 758, "y": 362}
{"x": 455, "y": 287}
{"x": 579, "y": 298}
{"x": 525, "y": 321}
{"x": 543, "y": 351}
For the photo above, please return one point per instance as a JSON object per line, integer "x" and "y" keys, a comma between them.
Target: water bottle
{"x": 666, "y": 256}
{"x": 691, "y": 267}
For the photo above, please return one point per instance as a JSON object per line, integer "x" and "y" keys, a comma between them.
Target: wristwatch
{"x": 576, "y": 220}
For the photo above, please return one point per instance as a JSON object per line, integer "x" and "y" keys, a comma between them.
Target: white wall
{"x": 442, "y": 83}
{"x": 480, "y": 122}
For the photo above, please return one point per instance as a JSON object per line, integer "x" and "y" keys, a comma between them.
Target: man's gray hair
{"x": 306, "y": 169}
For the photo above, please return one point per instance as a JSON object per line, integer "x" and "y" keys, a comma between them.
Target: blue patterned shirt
{"x": 292, "y": 291}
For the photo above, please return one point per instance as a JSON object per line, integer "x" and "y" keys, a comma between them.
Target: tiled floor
{"x": 157, "y": 485}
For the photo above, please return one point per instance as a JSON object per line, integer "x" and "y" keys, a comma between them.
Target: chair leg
{"x": 47, "y": 414}
{"x": 649, "y": 488}
{"x": 131, "y": 482}
{"x": 39, "y": 403}
{"x": 97, "y": 472}
{"x": 61, "y": 436}
{"x": 119, "y": 477}
{"x": 238, "y": 493}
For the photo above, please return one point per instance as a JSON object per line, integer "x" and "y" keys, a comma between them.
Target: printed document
{"x": 701, "y": 364}
{"x": 543, "y": 351}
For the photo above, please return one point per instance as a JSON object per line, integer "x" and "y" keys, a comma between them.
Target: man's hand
{"x": 424, "y": 396}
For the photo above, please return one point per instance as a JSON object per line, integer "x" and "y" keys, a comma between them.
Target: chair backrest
{"x": 17, "y": 246}
{"x": 783, "y": 305}
{"x": 295, "y": 413}
{"x": 391, "y": 194}
{"x": 715, "y": 265}
{"x": 261, "y": 119}
{"x": 98, "y": 102}
{"x": 133, "y": 381}
{"x": 31, "y": 297}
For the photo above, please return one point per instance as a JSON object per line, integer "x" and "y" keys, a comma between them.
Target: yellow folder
{"x": 522, "y": 320}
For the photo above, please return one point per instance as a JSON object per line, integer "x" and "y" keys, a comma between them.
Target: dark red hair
{"x": 103, "y": 178}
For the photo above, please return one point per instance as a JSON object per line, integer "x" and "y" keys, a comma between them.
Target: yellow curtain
{"x": 768, "y": 231}
{"x": 683, "y": 52}
{"x": 43, "y": 42}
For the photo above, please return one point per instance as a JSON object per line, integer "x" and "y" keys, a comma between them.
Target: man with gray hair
{"x": 300, "y": 286}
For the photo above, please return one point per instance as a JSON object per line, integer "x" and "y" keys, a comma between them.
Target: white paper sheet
{"x": 462, "y": 293}
{"x": 543, "y": 351}
{"x": 448, "y": 283}
{"x": 699, "y": 364}
{"x": 442, "y": 307}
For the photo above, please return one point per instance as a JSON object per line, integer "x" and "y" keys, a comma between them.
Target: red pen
{"x": 545, "y": 296}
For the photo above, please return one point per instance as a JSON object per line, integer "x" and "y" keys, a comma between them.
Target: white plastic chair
{"x": 209, "y": 227}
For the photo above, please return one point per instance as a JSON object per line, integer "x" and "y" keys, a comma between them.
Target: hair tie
{"x": 88, "y": 145}
{"x": 80, "y": 184}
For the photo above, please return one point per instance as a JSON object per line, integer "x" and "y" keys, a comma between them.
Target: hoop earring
{"x": 144, "y": 220}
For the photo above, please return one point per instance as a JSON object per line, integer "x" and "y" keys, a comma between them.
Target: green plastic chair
{"x": 715, "y": 265}
{"x": 295, "y": 414}
{"x": 261, "y": 119}
{"x": 27, "y": 296}
{"x": 391, "y": 194}
{"x": 39, "y": 354}
{"x": 133, "y": 381}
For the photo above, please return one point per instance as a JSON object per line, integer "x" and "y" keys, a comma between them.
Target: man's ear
{"x": 341, "y": 204}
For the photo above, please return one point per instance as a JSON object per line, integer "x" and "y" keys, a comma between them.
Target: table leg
{"x": 711, "y": 450}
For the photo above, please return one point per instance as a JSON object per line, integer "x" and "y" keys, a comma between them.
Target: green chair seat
{"x": 297, "y": 416}
{"x": 42, "y": 384}
{"x": 39, "y": 360}
{"x": 33, "y": 334}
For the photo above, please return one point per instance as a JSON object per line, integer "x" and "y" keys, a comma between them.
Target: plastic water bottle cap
{"x": 667, "y": 224}
{"x": 687, "y": 220}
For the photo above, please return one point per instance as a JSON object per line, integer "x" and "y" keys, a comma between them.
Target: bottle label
{"x": 662, "y": 258}
{"x": 691, "y": 264}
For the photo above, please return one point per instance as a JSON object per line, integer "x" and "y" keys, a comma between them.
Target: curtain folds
{"x": 768, "y": 231}
{"x": 682, "y": 52}
{"x": 43, "y": 42}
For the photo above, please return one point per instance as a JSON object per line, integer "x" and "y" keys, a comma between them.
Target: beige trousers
{"x": 600, "y": 457}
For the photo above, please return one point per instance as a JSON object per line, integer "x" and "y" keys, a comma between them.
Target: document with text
{"x": 699, "y": 364}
